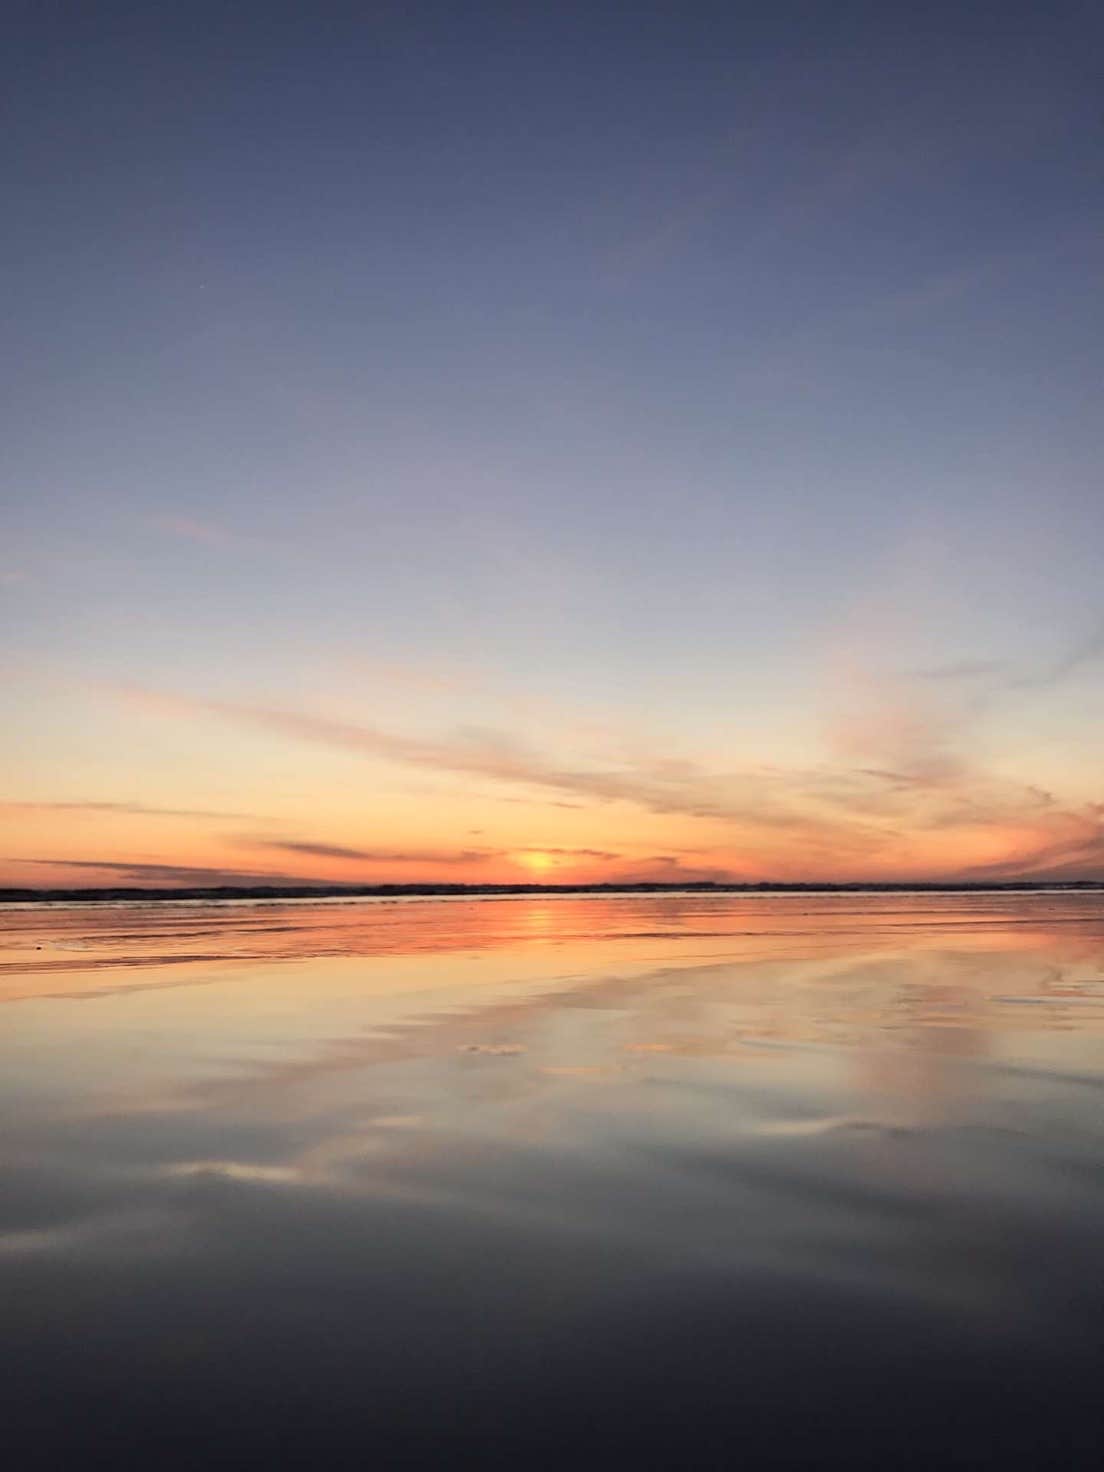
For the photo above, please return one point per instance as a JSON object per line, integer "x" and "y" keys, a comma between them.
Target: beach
{"x": 689, "y": 1179}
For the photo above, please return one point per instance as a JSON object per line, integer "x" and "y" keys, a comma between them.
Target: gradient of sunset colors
{"x": 576, "y": 443}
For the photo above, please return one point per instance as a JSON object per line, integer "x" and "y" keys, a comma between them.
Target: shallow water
{"x": 679, "y": 1180}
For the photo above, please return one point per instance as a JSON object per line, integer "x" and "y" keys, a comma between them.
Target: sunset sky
{"x": 567, "y": 441}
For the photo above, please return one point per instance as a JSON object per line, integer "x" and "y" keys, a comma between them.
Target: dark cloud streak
{"x": 170, "y": 873}
{"x": 374, "y": 855}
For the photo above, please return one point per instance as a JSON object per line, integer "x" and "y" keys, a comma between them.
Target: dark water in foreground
{"x": 680, "y": 1181}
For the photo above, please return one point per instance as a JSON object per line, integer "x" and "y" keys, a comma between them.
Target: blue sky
{"x": 704, "y": 378}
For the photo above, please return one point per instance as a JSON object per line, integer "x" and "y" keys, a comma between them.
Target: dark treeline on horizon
{"x": 378, "y": 891}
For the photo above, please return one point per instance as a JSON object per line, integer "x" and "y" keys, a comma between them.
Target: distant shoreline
{"x": 102, "y": 894}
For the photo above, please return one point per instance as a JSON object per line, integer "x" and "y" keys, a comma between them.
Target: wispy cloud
{"x": 999, "y": 676}
{"x": 1084, "y": 651}
{"x": 137, "y": 808}
{"x": 205, "y": 533}
{"x": 902, "y": 797}
{"x": 960, "y": 669}
{"x": 664, "y": 786}
{"x": 915, "y": 730}
{"x": 809, "y": 349}
{"x": 575, "y": 807}
{"x": 1066, "y": 845}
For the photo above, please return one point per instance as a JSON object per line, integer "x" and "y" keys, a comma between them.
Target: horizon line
{"x": 14, "y": 894}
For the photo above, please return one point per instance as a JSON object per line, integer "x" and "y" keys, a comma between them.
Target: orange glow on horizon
{"x": 239, "y": 794}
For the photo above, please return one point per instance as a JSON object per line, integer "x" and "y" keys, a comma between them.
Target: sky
{"x": 575, "y": 442}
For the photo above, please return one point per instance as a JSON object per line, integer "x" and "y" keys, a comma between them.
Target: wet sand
{"x": 700, "y": 1180}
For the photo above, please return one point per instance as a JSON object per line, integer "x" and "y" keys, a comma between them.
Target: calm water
{"x": 675, "y": 1180}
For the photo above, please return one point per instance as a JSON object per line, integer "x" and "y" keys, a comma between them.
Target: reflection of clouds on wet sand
{"x": 919, "y": 988}
{"x": 82, "y": 940}
{"x": 501, "y": 1176}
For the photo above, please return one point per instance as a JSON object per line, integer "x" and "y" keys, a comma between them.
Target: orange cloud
{"x": 901, "y": 800}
